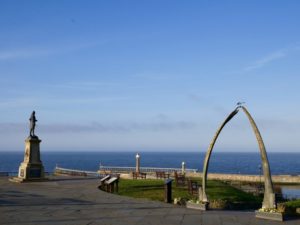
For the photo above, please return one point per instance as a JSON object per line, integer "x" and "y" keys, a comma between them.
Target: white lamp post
{"x": 137, "y": 163}
{"x": 183, "y": 167}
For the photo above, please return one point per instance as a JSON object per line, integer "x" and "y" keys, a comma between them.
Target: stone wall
{"x": 288, "y": 179}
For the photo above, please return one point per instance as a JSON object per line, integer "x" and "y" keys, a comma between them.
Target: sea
{"x": 220, "y": 162}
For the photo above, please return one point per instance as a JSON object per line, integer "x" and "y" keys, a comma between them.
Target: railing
{"x": 73, "y": 172}
{"x": 116, "y": 169}
{"x": 4, "y": 174}
{"x": 120, "y": 169}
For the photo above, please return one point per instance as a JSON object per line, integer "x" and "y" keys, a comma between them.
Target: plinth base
{"x": 23, "y": 180}
{"x": 30, "y": 171}
{"x": 277, "y": 216}
{"x": 199, "y": 206}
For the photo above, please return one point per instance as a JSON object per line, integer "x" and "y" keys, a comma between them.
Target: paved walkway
{"x": 78, "y": 201}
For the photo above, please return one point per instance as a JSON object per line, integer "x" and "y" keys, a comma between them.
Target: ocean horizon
{"x": 220, "y": 162}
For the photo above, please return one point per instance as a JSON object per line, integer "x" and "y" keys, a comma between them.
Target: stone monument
{"x": 269, "y": 206}
{"x": 31, "y": 169}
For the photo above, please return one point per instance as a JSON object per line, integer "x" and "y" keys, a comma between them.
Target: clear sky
{"x": 149, "y": 75}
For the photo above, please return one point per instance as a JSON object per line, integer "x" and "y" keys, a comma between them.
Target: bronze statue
{"x": 32, "y": 120}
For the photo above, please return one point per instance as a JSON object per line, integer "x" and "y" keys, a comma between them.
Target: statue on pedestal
{"x": 31, "y": 169}
{"x": 32, "y": 120}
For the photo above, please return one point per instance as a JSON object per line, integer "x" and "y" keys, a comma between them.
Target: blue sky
{"x": 149, "y": 75}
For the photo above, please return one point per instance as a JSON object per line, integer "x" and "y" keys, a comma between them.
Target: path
{"x": 78, "y": 201}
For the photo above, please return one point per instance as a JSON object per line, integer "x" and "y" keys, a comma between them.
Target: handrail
{"x": 118, "y": 169}
{"x": 143, "y": 169}
{"x": 72, "y": 171}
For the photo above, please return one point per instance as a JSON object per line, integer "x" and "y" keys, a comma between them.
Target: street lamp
{"x": 137, "y": 163}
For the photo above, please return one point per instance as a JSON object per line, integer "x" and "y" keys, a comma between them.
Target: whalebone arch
{"x": 269, "y": 196}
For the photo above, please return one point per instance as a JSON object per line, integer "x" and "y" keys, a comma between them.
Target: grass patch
{"x": 149, "y": 189}
{"x": 230, "y": 197}
{"x": 291, "y": 207}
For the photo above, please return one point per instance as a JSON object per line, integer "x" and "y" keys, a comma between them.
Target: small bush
{"x": 218, "y": 204}
{"x": 292, "y": 206}
{"x": 180, "y": 201}
{"x": 281, "y": 207}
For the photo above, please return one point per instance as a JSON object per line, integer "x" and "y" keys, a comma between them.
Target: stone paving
{"x": 67, "y": 201}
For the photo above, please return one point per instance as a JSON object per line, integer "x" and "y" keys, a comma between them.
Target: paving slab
{"x": 77, "y": 201}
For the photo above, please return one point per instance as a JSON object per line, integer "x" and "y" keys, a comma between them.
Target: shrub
{"x": 218, "y": 204}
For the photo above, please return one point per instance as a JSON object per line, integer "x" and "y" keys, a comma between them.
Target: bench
{"x": 193, "y": 187}
{"x": 136, "y": 175}
{"x": 162, "y": 175}
{"x": 179, "y": 179}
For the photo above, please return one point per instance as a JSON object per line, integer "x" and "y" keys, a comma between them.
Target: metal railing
{"x": 120, "y": 169}
{"x": 75, "y": 172}
{"x": 116, "y": 169}
{"x": 4, "y": 174}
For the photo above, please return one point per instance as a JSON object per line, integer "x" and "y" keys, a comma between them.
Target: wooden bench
{"x": 136, "y": 175}
{"x": 162, "y": 175}
{"x": 193, "y": 187}
{"x": 179, "y": 179}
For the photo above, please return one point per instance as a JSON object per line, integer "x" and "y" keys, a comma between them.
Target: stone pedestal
{"x": 200, "y": 206}
{"x": 31, "y": 169}
{"x": 277, "y": 216}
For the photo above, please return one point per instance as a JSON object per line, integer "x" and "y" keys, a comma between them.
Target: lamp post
{"x": 137, "y": 163}
{"x": 183, "y": 167}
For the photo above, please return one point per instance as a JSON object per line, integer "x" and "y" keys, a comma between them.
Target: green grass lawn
{"x": 236, "y": 199}
{"x": 216, "y": 191}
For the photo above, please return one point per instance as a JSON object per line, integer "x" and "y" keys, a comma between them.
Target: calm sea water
{"x": 243, "y": 163}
